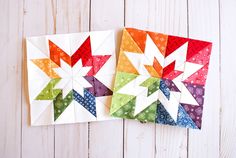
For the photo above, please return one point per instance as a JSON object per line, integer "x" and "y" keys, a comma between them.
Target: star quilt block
{"x": 70, "y": 77}
{"x": 160, "y": 78}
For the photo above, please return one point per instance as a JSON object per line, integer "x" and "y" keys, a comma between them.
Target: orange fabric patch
{"x": 46, "y": 65}
{"x": 139, "y": 37}
{"x": 152, "y": 71}
{"x": 57, "y": 53}
{"x": 128, "y": 44}
{"x": 124, "y": 65}
{"x": 157, "y": 67}
{"x": 160, "y": 40}
{"x": 155, "y": 70}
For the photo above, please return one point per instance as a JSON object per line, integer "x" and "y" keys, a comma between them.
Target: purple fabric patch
{"x": 98, "y": 89}
{"x": 195, "y": 112}
{"x": 170, "y": 84}
{"x": 197, "y": 92}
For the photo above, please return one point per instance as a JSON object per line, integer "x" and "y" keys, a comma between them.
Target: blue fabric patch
{"x": 165, "y": 90}
{"x": 88, "y": 101}
{"x": 163, "y": 116}
{"x": 184, "y": 120}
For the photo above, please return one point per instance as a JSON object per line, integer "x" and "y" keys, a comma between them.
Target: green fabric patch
{"x": 119, "y": 100}
{"x": 153, "y": 88}
{"x": 122, "y": 79}
{"x": 123, "y": 105}
{"x": 148, "y": 82}
{"x": 127, "y": 110}
{"x": 148, "y": 114}
{"x": 152, "y": 84}
{"x": 61, "y": 104}
{"x": 48, "y": 93}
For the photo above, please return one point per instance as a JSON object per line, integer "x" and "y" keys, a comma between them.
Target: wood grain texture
{"x": 11, "y": 21}
{"x": 72, "y": 139}
{"x": 38, "y": 20}
{"x": 228, "y": 77}
{"x": 139, "y": 139}
{"x": 106, "y": 138}
{"x": 204, "y": 24}
{"x": 171, "y": 18}
{"x": 211, "y": 20}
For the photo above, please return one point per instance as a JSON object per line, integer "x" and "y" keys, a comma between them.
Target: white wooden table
{"x": 212, "y": 20}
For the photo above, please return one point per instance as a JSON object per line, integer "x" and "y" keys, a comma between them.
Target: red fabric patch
{"x": 169, "y": 72}
{"x": 174, "y": 43}
{"x": 198, "y": 77}
{"x": 84, "y": 53}
{"x": 199, "y": 52}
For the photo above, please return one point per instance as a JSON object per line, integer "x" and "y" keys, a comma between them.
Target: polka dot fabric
{"x": 46, "y": 65}
{"x": 160, "y": 78}
{"x": 87, "y": 101}
{"x": 71, "y": 77}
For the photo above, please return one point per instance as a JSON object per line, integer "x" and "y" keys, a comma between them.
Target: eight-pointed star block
{"x": 70, "y": 77}
{"x": 160, "y": 78}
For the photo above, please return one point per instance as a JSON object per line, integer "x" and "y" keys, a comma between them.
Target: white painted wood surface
{"x": 211, "y": 20}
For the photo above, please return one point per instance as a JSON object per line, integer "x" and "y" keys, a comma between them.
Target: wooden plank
{"x": 171, "y": 141}
{"x": 11, "y": 21}
{"x": 36, "y": 141}
{"x": 106, "y": 138}
{"x": 204, "y": 24}
{"x": 228, "y": 77}
{"x": 139, "y": 139}
{"x": 72, "y": 139}
{"x": 168, "y": 17}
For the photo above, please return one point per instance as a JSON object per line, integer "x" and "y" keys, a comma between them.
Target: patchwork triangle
{"x": 76, "y": 71}
{"x": 197, "y": 91}
{"x": 124, "y": 64}
{"x": 119, "y": 100}
{"x": 46, "y": 65}
{"x": 45, "y": 117}
{"x": 98, "y": 89}
{"x": 87, "y": 101}
{"x": 49, "y": 93}
{"x": 67, "y": 116}
{"x": 127, "y": 110}
{"x": 160, "y": 40}
{"x": 56, "y": 54}
{"x": 163, "y": 117}
{"x": 123, "y": 79}
{"x": 184, "y": 120}
{"x": 170, "y": 85}
{"x": 138, "y": 36}
{"x": 198, "y": 77}
{"x": 167, "y": 71}
{"x": 199, "y": 51}
{"x": 60, "y": 103}
{"x": 195, "y": 113}
{"x": 128, "y": 44}
{"x": 152, "y": 84}
{"x": 39, "y": 43}
{"x": 174, "y": 43}
{"x": 148, "y": 114}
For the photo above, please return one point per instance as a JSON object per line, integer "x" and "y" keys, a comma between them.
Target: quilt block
{"x": 70, "y": 77}
{"x": 160, "y": 78}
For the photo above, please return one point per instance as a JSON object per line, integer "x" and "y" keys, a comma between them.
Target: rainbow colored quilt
{"x": 160, "y": 78}
{"x": 70, "y": 77}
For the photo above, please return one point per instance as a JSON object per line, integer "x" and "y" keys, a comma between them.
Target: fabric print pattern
{"x": 70, "y": 77}
{"x": 164, "y": 73}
